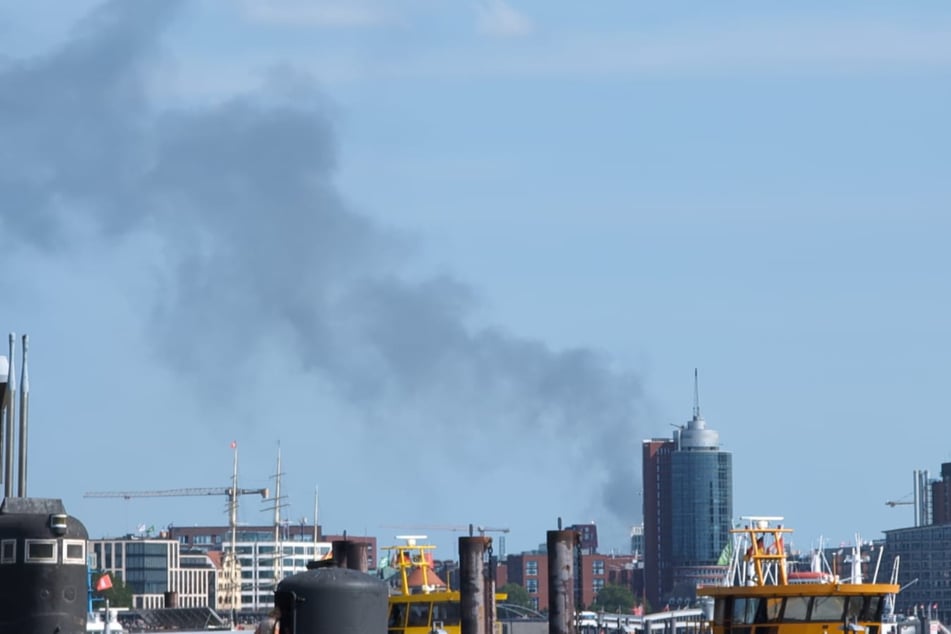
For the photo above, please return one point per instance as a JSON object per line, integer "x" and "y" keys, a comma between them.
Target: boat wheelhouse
{"x": 760, "y": 595}
{"x": 422, "y": 602}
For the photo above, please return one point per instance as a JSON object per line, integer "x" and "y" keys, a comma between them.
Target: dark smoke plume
{"x": 256, "y": 238}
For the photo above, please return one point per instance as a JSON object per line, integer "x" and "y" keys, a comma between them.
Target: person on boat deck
{"x": 271, "y": 624}
{"x": 760, "y": 547}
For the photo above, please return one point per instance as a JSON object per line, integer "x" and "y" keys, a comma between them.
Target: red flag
{"x": 104, "y": 583}
{"x": 234, "y": 444}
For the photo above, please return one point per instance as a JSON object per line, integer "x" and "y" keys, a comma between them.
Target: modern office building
{"x": 637, "y": 541}
{"x": 155, "y": 570}
{"x": 688, "y": 510}
{"x": 701, "y": 505}
{"x": 921, "y": 554}
{"x": 265, "y": 556}
{"x": 184, "y": 564}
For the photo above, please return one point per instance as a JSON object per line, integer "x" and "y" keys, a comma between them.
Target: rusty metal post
{"x": 561, "y": 585}
{"x": 472, "y": 584}
{"x": 339, "y": 549}
{"x": 357, "y": 556}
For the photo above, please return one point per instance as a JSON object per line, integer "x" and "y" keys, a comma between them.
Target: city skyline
{"x": 459, "y": 260}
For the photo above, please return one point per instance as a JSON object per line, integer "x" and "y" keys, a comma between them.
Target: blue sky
{"x": 460, "y": 258}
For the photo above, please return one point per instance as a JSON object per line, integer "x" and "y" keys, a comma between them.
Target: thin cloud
{"x": 500, "y": 19}
{"x": 708, "y": 49}
{"x": 750, "y": 48}
{"x": 316, "y": 13}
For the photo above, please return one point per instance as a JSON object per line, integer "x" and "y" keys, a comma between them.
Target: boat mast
{"x": 233, "y": 504}
{"x": 278, "y": 541}
{"x": 766, "y": 554}
{"x": 315, "y": 521}
{"x": 231, "y": 558}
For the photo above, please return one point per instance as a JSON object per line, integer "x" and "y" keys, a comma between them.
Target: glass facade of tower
{"x": 688, "y": 511}
{"x": 701, "y": 505}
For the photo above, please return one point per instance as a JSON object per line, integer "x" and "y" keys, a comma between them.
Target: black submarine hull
{"x": 43, "y": 569}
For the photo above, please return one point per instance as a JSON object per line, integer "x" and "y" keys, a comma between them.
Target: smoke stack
{"x": 24, "y": 418}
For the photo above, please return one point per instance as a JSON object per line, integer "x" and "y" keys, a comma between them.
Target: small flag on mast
{"x": 234, "y": 444}
{"x": 104, "y": 583}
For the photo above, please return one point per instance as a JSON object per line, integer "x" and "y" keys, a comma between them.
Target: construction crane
{"x": 456, "y": 528}
{"x": 231, "y": 578}
{"x": 228, "y": 491}
{"x": 899, "y": 502}
{"x": 470, "y": 528}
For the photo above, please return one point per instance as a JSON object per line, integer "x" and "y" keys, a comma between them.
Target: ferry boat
{"x": 760, "y": 595}
{"x": 421, "y": 602}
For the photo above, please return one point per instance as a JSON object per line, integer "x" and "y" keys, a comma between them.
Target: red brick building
{"x": 593, "y": 572}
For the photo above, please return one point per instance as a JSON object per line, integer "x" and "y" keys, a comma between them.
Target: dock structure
{"x": 688, "y": 621}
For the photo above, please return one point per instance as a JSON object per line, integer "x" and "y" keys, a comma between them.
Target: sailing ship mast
{"x": 232, "y": 584}
{"x": 278, "y": 534}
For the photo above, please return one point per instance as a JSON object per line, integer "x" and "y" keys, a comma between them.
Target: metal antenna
{"x": 8, "y": 439}
{"x": 24, "y": 418}
{"x": 696, "y": 394}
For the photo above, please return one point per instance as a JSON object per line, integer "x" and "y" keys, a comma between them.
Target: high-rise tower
{"x": 688, "y": 508}
{"x": 657, "y": 519}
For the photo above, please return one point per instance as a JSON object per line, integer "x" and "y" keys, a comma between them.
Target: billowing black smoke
{"x": 256, "y": 239}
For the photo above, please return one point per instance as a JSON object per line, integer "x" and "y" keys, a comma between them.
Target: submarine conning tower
{"x": 42, "y": 548}
{"x": 42, "y": 568}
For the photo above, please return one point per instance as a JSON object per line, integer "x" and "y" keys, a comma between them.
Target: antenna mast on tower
{"x": 696, "y": 394}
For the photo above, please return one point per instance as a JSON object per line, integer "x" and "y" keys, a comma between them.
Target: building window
{"x": 597, "y": 566}
{"x": 531, "y": 568}
{"x": 40, "y": 551}
{"x": 531, "y": 585}
{"x": 8, "y": 551}
{"x": 74, "y": 551}
{"x": 598, "y": 586}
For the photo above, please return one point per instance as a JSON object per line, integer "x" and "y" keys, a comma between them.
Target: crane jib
{"x": 228, "y": 491}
